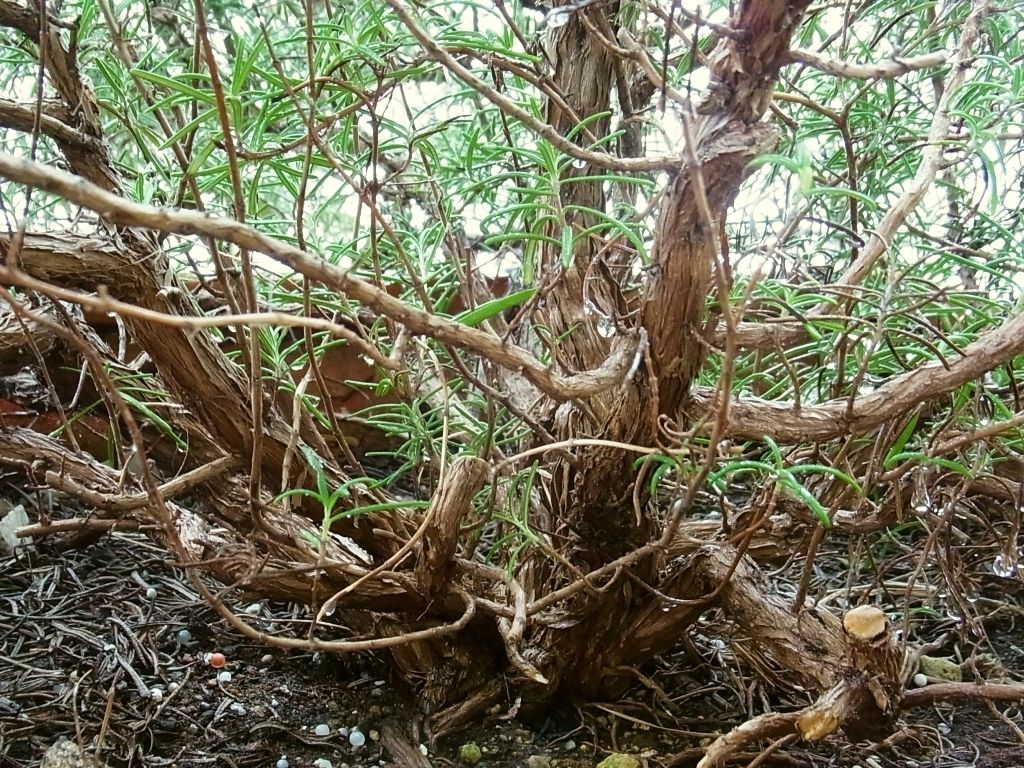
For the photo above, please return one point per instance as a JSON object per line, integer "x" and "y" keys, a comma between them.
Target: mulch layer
{"x": 107, "y": 646}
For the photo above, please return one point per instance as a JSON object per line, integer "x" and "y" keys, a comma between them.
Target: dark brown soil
{"x": 82, "y": 646}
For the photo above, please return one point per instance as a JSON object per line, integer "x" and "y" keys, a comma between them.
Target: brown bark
{"x": 85, "y": 150}
{"x": 617, "y": 371}
{"x": 585, "y": 308}
{"x": 863, "y": 686}
{"x": 435, "y": 561}
{"x": 866, "y": 699}
{"x": 596, "y": 504}
{"x": 684, "y": 254}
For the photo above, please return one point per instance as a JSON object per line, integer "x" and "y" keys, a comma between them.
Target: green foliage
{"x": 785, "y": 476}
{"x": 374, "y": 156}
{"x": 330, "y": 497}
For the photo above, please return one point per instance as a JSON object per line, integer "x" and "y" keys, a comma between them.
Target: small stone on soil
{"x": 469, "y": 753}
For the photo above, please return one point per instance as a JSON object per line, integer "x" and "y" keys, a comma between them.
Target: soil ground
{"x": 87, "y": 634}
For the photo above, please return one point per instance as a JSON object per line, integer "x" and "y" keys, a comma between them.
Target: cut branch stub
{"x": 864, "y": 623}
{"x": 875, "y": 656}
{"x": 866, "y": 699}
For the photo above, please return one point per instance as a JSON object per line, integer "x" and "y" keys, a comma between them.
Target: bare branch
{"x": 885, "y": 69}
{"x": 19, "y": 17}
{"x": 768, "y": 726}
{"x": 509, "y": 107}
{"x": 963, "y": 692}
{"x": 120, "y": 211}
{"x": 752, "y": 418}
{"x": 52, "y": 123}
{"x": 105, "y": 304}
{"x": 931, "y": 157}
{"x": 88, "y": 158}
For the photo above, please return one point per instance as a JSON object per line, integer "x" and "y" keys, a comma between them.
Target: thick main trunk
{"x": 596, "y": 507}
{"x": 593, "y": 507}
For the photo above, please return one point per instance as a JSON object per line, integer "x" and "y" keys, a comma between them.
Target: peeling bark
{"x": 622, "y": 365}
{"x": 435, "y": 561}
